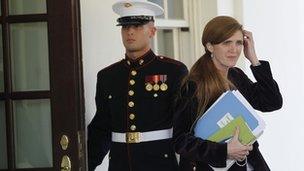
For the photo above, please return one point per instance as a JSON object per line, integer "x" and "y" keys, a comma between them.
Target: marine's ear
{"x": 152, "y": 29}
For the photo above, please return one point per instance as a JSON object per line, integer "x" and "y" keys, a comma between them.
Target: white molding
{"x": 201, "y": 12}
{"x": 238, "y": 10}
{"x": 195, "y": 23}
{"x": 176, "y": 44}
{"x": 164, "y": 23}
{"x": 166, "y": 13}
{"x": 186, "y": 10}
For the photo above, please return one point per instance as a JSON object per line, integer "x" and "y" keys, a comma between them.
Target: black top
{"x": 263, "y": 95}
{"x": 127, "y": 101}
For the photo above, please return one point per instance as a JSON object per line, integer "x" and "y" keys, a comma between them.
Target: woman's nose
{"x": 233, "y": 47}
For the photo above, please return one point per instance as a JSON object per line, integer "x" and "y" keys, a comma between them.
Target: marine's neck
{"x": 134, "y": 55}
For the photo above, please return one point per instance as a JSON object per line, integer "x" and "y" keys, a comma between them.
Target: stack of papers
{"x": 219, "y": 122}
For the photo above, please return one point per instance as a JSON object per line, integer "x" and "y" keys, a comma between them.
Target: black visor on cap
{"x": 134, "y": 20}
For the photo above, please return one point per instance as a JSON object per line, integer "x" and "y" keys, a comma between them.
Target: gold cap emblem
{"x": 127, "y": 5}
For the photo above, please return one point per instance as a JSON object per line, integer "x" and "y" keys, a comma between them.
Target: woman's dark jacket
{"x": 263, "y": 95}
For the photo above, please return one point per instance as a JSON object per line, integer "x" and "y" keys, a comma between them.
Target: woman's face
{"x": 226, "y": 53}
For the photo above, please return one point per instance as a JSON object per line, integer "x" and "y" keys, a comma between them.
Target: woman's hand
{"x": 236, "y": 150}
{"x": 249, "y": 50}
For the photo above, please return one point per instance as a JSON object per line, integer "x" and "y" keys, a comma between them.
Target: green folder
{"x": 225, "y": 133}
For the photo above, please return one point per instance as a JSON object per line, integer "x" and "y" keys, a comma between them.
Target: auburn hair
{"x": 210, "y": 84}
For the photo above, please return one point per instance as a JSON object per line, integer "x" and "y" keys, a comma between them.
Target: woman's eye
{"x": 240, "y": 42}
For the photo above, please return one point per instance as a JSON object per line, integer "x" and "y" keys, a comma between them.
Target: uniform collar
{"x": 141, "y": 61}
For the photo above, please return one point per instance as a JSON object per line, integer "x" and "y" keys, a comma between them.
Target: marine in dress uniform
{"x": 134, "y": 101}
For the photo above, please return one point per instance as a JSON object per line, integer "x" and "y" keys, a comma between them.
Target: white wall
{"x": 278, "y": 31}
{"x": 277, "y": 26}
{"x": 101, "y": 44}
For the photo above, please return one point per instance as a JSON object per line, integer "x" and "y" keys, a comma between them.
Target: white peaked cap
{"x": 125, "y": 8}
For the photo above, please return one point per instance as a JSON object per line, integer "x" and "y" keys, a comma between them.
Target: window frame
{"x": 176, "y": 25}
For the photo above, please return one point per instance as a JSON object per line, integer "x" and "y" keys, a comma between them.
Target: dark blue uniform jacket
{"x": 126, "y": 103}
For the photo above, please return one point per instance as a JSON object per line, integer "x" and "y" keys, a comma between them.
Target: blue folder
{"x": 228, "y": 106}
